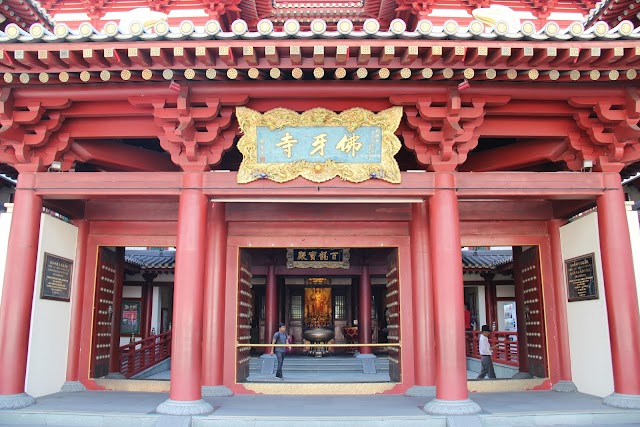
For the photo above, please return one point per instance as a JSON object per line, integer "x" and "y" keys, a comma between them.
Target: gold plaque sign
{"x": 319, "y": 144}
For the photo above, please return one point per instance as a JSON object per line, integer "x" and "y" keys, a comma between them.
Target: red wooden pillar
{"x": 147, "y": 298}
{"x": 185, "y": 396}
{"x": 72, "y": 383}
{"x": 491, "y": 298}
{"x": 448, "y": 301}
{"x": 423, "y": 331}
{"x": 364, "y": 313}
{"x": 564, "y": 354}
{"x": 523, "y": 353}
{"x": 17, "y": 294}
{"x": 213, "y": 340}
{"x": 271, "y": 308}
{"x": 114, "y": 351}
{"x": 621, "y": 297}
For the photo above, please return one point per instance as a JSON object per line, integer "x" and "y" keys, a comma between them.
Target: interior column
{"x": 448, "y": 301}
{"x": 621, "y": 297}
{"x": 491, "y": 298}
{"x": 17, "y": 294}
{"x": 118, "y": 286}
{"x": 147, "y": 299}
{"x": 423, "y": 336}
{"x": 72, "y": 382}
{"x": 564, "y": 354}
{"x": 271, "y": 307}
{"x": 213, "y": 340}
{"x": 364, "y": 313}
{"x": 185, "y": 396}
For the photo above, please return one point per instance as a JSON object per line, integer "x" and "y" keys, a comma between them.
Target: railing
{"x": 506, "y": 352}
{"x": 137, "y": 356}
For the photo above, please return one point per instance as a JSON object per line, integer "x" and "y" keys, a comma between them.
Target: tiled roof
{"x": 151, "y": 259}
{"x": 485, "y": 259}
{"x": 613, "y": 12}
{"x": 451, "y": 30}
{"x": 23, "y": 13}
{"x": 471, "y": 260}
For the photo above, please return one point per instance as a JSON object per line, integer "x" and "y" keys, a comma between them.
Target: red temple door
{"x": 533, "y": 312}
{"x": 392, "y": 315}
{"x": 245, "y": 315}
{"x": 104, "y": 312}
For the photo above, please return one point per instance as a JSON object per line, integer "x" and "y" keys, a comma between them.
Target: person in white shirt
{"x": 485, "y": 353}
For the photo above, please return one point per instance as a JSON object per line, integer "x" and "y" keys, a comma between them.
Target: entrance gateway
{"x": 311, "y": 293}
{"x": 326, "y": 302}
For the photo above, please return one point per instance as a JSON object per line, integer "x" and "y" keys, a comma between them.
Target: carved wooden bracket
{"x": 29, "y": 136}
{"x": 196, "y": 134}
{"x": 445, "y": 132}
{"x": 611, "y": 125}
{"x": 421, "y": 9}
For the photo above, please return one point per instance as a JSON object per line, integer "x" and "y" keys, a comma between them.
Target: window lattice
{"x": 296, "y": 307}
{"x": 340, "y": 304}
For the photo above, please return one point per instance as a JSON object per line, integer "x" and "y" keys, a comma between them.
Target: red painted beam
{"x": 223, "y": 185}
{"x": 515, "y": 156}
{"x": 122, "y": 157}
{"x": 570, "y": 185}
{"x": 518, "y": 127}
{"x": 302, "y": 90}
{"x": 113, "y": 127}
{"x": 505, "y": 210}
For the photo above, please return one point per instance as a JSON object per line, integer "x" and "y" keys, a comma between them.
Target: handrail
{"x": 389, "y": 344}
{"x": 137, "y": 356}
{"x": 506, "y": 352}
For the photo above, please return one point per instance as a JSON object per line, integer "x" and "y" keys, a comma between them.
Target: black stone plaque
{"x": 317, "y": 258}
{"x": 56, "y": 278}
{"x": 581, "y": 278}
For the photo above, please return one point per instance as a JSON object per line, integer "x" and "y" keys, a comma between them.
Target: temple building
{"x": 384, "y": 177}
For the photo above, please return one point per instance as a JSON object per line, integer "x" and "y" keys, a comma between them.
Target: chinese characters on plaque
{"x": 581, "y": 278}
{"x": 317, "y": 258}
{"x": 319, "y": 144}
{"x": 56, "y": 278}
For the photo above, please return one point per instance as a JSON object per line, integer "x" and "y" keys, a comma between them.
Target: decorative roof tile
{"x": 152, "y": 259}
{"x": 485, "y": 259}
{"x": 425, "y": 30}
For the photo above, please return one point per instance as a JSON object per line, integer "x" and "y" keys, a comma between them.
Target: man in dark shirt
{"x": 280, "y": 337}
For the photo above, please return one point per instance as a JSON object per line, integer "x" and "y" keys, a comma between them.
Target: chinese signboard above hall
{"x": 318, "y": 258}
{"x": 319, "y": 144}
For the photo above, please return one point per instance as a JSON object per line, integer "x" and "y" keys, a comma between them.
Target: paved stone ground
{"x": 499, "y": 409}
{"x": 304, "y": 377}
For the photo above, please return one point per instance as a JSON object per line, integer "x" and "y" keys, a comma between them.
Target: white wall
{"x": 155, "y": 313}
{"x": 49, "y": 335}
{"x": 5, "y": 225}
{"x": 482, "y": 309}
{"x": 588, "y": 324}
{"x": 505, "y": 291}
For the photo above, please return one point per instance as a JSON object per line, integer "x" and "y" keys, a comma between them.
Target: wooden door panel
{"x": 245, "y": 314}
{"x": 534, "y": 312}
{"x": 103, "y": 312}
{"x": 392, "y": 304}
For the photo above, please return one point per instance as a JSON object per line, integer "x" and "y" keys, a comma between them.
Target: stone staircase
{"x": 338, "y": 368}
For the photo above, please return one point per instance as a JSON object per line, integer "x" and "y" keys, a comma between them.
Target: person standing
{"x": 280, "y": 337}
{"x": 485, "y": 353}
{"x": 467, "y": 318}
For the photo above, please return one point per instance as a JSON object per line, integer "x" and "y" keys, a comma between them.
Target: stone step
{"x": 325, "y": 365}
